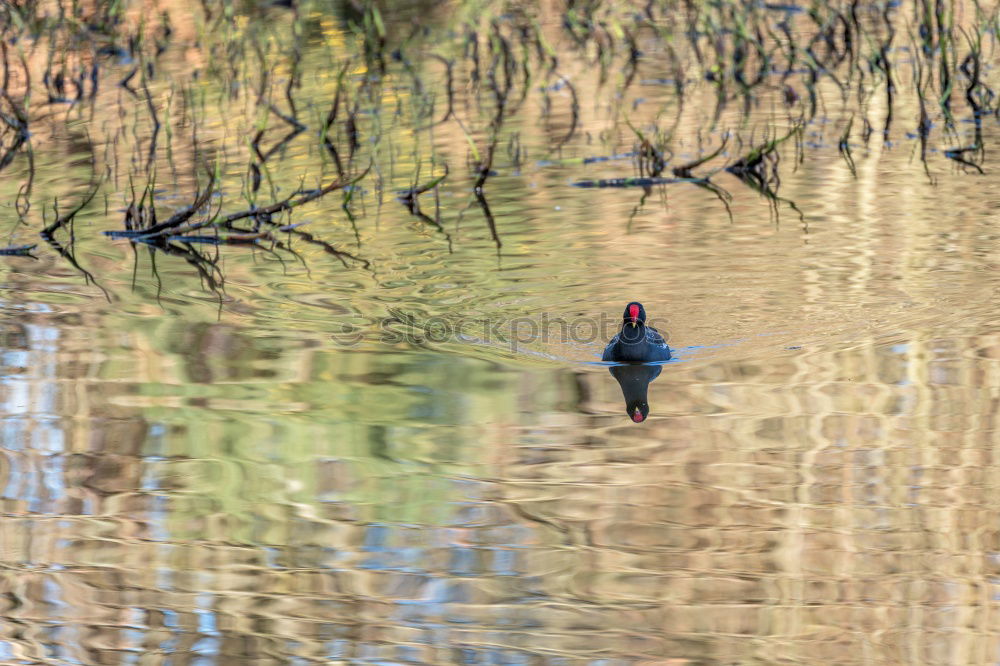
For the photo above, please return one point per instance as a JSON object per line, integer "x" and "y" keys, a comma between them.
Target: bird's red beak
{"x": 633, "y": 314}
{"x": 637, "y": 416}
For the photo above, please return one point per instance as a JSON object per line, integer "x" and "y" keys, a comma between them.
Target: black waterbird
{"x": 636, "y": 342}
{"x": 639, "y": 348}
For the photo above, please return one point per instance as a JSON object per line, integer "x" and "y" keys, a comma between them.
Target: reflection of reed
{"x": 839, "y": 60}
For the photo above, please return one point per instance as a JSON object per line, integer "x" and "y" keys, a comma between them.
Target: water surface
{"x": 413, "y": 456}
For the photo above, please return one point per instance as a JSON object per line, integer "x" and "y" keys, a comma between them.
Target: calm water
{"x": 415, "y": 457}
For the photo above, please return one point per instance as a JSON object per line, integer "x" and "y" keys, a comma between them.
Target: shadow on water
{"x": 634, "y": 380}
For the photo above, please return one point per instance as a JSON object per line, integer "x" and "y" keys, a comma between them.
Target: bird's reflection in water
{"x": 634, "y": 378}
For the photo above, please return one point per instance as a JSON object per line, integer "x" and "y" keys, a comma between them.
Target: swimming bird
{"x": 636, "y": 342}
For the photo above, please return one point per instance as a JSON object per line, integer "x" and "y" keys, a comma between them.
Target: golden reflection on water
{"x": 194, "y": 478}
{"x": 828, "y": 503}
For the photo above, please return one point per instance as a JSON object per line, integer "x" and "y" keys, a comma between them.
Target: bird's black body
{"x": 636, "y": 342}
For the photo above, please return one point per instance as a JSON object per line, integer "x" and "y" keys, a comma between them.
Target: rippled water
{"x": 417, "y": 458}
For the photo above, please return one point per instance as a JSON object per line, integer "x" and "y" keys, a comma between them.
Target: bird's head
{"x": 635, "y": 314}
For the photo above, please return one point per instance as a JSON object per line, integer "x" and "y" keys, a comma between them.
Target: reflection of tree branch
{"x": 156, "y": 123}
{"x": 771, "y": 195}
{"x": 18, "y": 122}
{"x": 721, "y": 194}
{"x": 423, "y": 217}
{"x": 62, "y": 220}
{"x": 48, "y": 235}
{"x": 125, "y": 82}
{"x": 410, "y": 199}
{"x": 331, "y": 117}
{"x": 972, "y": 67}
{"x": 174, "y": 221}
{"x": 328, "y": 248}
{"x": 924, "y": 125}
{"x": 957, "y": 155}
{"x": 174, "y": 237}
{"x": 8, "y": 155}
{"x": 758, "y": 169}
{"x": 206, "y": 266}
{"x": 489, "y": 218}
{"x": 882, "y": 61}
{"x": 68, "y": 255}
{"x": 449, "y": 76}
{"x": 844, "y": 147}
{"x": 290, "y": 202}
{"x": 22, "y": 203}
{"x": 574, "y": 113}
{"x": 264, "y": 157}
{"x": 684, "y": 170}
{"x": 646, "y": 191}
